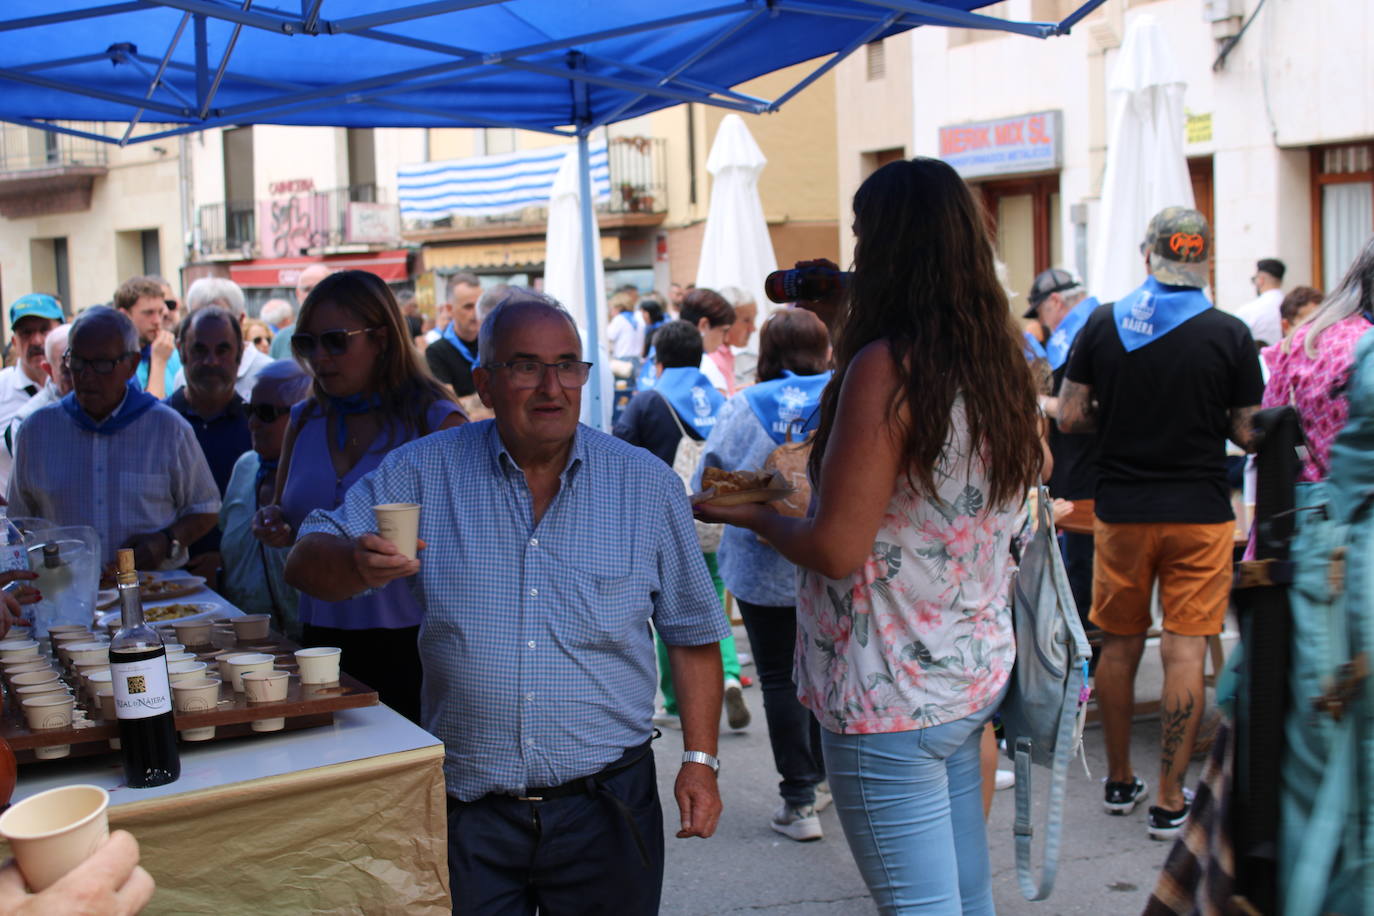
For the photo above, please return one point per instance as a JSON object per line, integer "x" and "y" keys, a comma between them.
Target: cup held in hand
{"x": 399, "y": 523}
{"x": 54, "y": 831}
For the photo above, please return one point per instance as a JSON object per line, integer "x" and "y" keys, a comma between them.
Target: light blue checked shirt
{"x": 538, "y": 658}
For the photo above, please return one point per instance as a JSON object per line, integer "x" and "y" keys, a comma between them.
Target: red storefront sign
{"x": 283, "y": 272}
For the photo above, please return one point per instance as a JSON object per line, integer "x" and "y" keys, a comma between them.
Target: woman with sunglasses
{"x": 256, "y": 333}
{"x": 371, "y": 394}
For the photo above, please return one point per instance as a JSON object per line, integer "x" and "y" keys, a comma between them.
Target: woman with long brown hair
{"x": 928, "y": 440}
{"x": 371, "y": 393}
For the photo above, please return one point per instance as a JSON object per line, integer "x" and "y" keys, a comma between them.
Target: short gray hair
{"x": 463, "y": 276}
{"x": 276, "y": 312}
{"x": 491, "y": 299}
{"x": 216, "y": 291}
{"x": 735, "y": 296}
{"x": 115, "y": 319}
{"x": 517, "y": 297}
{"x": 292, "y": 383}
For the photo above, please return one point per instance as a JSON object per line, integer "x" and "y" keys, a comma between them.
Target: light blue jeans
{"x": 912, "y": 810}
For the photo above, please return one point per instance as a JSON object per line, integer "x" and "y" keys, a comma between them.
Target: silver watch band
{"x": 701, "y": 757}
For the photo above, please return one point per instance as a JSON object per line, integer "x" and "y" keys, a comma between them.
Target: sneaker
{"x": 1005, "y": 779}
{"x": 823, "y": 797}
{"x": 1165, "y": 825}
{"x": 665, "y": 719}
{"x": 1121, "y": 797}
{"x": 736, "y": 713}
{"x": 745, "y": 659}
{"x": 797, "y": 823}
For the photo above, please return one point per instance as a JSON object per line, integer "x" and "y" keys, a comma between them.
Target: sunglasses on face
{"x": 267, "y": 413}
{"x": 260, "y": 339}
{"x": 528, "y": 373}
{"x": 77, "y": 365}
{"x": 334, "y": 342}
{"x": 172, "y": 304}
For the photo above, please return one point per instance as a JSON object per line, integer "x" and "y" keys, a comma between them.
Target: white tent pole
{"x": 591, "y": 250}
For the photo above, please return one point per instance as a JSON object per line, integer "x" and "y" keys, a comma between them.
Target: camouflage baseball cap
{"x": 1179, "y": 242}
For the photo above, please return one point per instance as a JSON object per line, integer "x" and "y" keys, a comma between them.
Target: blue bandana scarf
{"x": 788, "y": 403}
{"x": 452, "y": 337}
{"x": 136, "y": 404}
{"x": 266, "y": 469}
{"x": 647, "y": 378}
{"x": 1033, "y": 348}
{"x": 353, "y": 404}
{"x": 632, "y": 318}
{"x": 692, "y": 395}
{"x": 1061, "y": 341}
{"x": 1153, "y": 310}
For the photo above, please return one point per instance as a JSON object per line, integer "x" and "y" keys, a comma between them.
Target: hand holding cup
{"x": 271, "y": 527}
{"x": 379, "y": 562}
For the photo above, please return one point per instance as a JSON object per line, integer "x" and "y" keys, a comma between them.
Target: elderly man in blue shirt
{"x": 539, "y": 585}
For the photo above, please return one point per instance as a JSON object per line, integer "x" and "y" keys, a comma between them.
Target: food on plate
{"x": 724, "y": 482}
{"x": 170, "y": 612}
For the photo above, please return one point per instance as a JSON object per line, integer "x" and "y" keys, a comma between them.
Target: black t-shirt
{"x": 1164, "y": 415}
{"x": 415, "y": 324}
{"x": 1075, "y": 455}
{"x": 649, "y": 423}
{"x": 450, "y": 366}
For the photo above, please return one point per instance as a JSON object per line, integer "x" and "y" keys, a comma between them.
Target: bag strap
{"x": 1054, "y": 810}
{"x": 672, "y": 411}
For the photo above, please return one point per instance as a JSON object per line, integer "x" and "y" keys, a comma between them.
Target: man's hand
{"x": 271, "y": 527}
{"x": 109, "y": 883}
{"x": 150, "y": 550}
{"x": 698, "y": 800}
{"x": 164, "y": 345}
{"x": 379, "y": 562}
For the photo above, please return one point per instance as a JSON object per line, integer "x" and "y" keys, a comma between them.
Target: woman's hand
{"x": 271, "y": 527}
{"x": 24, "y": 593}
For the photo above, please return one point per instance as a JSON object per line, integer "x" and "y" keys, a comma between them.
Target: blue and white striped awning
{"x": 490, "y": 185}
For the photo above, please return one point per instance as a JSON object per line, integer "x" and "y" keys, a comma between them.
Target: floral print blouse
{"x": 922, "y": 633}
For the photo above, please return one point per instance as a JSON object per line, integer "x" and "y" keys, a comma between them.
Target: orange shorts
{"x": 1191, "y": 562}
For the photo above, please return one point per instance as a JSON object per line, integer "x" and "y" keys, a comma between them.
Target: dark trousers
{"x": 1078, "y": 565}
{"x": 562, "y": 857}
{"x": 388, "y": 661}
{"x": 792, "y": 730}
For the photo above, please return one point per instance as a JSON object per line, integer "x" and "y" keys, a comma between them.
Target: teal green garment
{"x": 246, "y": 559}
{"x": 281, "y": 344}
{"x": 169, "y": 377}
{"x": 729, "y": 658}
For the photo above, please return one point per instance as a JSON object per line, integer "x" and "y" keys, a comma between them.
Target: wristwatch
{"x": 701, "y": 757}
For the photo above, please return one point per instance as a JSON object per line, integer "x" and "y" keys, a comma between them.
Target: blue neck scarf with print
{"x": 459, "y": 344}
{"x": 1032, "y": 348}
{"x": 266, "y": 469}
{"x": 790, "y": 403}
{"x": 1061, "y": 341}
{"x": 135, "y": 404}
{"x": 1153, "y": 310}
{"x": 353, "y": 404}
{"x": 692, "y": 396}
{"x": 647, "y": 377}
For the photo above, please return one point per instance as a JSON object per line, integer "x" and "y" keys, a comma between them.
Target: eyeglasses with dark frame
{"x": 334, "y": 341}
{"x": 266, "y": 413}
{"x": 76, "y": 364}
{"x": 528, "y": 373}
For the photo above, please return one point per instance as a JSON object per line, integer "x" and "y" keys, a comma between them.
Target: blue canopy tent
{"x": 557, "y": 66}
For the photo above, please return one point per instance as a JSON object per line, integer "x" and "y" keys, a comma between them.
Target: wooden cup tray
{"x": 305, "y": 706}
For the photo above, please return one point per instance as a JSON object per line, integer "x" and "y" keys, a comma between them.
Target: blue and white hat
{"x": 34, "y": 305}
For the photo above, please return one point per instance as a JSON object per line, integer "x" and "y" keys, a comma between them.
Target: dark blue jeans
{"x": 792, "y": 730}
{"x": 574, "y": 855}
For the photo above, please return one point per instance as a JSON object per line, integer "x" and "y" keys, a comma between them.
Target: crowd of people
{"x": 565, "y": 578}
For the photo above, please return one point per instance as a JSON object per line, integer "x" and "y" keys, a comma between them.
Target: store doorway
{"x": 1023, "y": 217}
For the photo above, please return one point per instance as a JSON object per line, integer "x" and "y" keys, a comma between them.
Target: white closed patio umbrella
{"x": 564, "y": 279}
{"x": 1146, "y": 168}
{"x": 735, "y": 248}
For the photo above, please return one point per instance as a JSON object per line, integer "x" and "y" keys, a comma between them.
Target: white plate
{"x": 203, "y": 610}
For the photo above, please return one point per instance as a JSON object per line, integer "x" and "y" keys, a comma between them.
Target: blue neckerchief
{"x": 1154, "y": 309}
{"x": 788, "y": 404}
{"x": 452, "y": 337}
{"x": 632, "y": 318}
{"x": 135, "y": 404}
{"x": 692, "y": 395}
{"x": 265, "y": 469}
{"x": 647, "y": 377}
{"x": 1033, "y": 348}
{"x": 1061, "y": 341}
{"x": 353, "y": 404}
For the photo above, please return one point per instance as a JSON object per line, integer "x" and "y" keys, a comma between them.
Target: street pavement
{"x": 1107, "y": 865}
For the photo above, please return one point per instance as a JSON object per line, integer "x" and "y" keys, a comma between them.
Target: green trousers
{"x": 729, "y": 658}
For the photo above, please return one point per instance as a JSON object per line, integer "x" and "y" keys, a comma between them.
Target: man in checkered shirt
{"x": 549, "y": 549}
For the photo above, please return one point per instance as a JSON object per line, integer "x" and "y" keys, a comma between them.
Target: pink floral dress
{"x": 1315, "y": 386}
{"x": 921, "y": 634}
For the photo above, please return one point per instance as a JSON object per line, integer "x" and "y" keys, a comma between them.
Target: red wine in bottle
{"x": 142, "y": 690}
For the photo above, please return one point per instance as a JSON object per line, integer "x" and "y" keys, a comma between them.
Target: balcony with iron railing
{"x": 290, "y": 225}
{"x": 43, "y": 172}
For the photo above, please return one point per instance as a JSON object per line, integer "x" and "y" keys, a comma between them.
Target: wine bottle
{"x": 142, "y": 690}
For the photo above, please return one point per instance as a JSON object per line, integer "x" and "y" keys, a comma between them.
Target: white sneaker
{"x": 745, "y": 659}
{"x": 1005, "y": 780}
{"x": 823, "y": 797}
{"x": 736, "y": 712}
{"x": 800, "y": 824}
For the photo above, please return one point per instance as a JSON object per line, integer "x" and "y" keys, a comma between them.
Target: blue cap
{"x": 34, "y": 305}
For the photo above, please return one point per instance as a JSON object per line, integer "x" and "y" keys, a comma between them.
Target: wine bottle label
{"x": 141, "y": 688}
{"x": 13, "y": 556}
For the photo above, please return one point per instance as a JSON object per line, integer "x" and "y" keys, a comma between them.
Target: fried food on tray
{"x": 169, "y": 612}
{"x": 726, "y": 482}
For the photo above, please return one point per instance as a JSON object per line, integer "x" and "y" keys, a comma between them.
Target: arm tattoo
{"x": 1173, "y": 725}
{"x": 1243, "y": 427}
{"x": 1077, "y": 412}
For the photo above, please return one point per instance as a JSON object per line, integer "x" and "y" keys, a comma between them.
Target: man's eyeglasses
{"x": 267, "y": 413}
{"x": 528, "y": 373}
{"x": 76, "y": 364}
{"x": 334, "y": 342}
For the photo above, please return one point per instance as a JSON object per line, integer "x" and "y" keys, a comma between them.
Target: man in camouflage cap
{"x": 1162, "y": 379}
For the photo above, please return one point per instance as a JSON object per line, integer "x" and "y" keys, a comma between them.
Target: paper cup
{"x": 266, "y": 687}
{"x": 97, "y": 681}
{"x": 83, "y": 653}
{"x": 196, "y": 695}
{"x": 241, "y": 664}
{"x": 47, "y": 712}
{"x": 12, "y": 650}
{"x": 319, "y": 665}
{"x": 52, "y": 688}
{"x": 181, "y": 657}
{"x": 34, "y": 677}
{"x": 186, "y": 671}
{"x": 193, "y": 632}
{"x": 28, "y": 664}
{"x": 105, "y": 698}
{"x": 54, "y": 831}
{"x": 399, "y": 523}
{"x": 251, "y": 627}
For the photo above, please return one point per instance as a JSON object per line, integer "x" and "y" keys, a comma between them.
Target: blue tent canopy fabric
{"x": 567, "y": 66}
